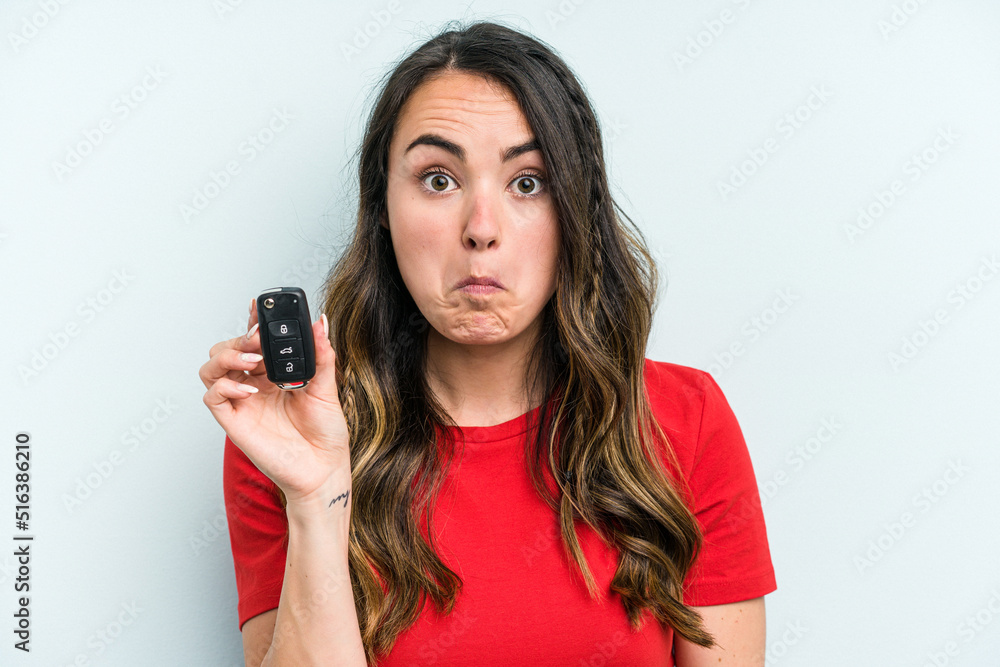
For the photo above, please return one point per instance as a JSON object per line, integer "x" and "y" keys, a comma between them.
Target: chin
{"x": 479, "y": 337}
{"x": 480, "y": 332}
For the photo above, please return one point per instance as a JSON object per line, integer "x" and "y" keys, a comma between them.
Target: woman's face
{"x": 468, "y": 196}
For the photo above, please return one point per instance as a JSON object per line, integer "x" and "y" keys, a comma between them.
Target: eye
{"x": 529, "y": 184}
{"x": 435, "y": 180}
{"x": 526, "y": 185}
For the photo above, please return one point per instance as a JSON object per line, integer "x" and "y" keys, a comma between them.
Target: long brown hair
{"x": 590, "y": 354}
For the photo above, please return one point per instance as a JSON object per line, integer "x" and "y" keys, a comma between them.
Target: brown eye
{"x": 526, "y": 185}
{"x": 439, "y": 182}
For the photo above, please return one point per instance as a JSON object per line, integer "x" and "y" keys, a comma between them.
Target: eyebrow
{"x": 459, "y": 152}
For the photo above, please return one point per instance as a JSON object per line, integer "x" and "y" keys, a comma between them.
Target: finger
{"x": 210, "y": 374}
{"x": 248, "y": 342}
{"x": 258, "y": 370}
{"x": 229, "y": 363}
{"x": 251, "y": 342}
{"x": 220, "y": 396}
{"x": 253, "y": 314}
{"x": 221, "y": 399}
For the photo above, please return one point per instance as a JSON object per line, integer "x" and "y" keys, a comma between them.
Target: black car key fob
{"x": 286, "y": 338}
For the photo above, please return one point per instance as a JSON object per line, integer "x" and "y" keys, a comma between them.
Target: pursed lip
{"x": 480, "y": 280}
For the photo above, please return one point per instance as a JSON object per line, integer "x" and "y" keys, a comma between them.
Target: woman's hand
{"x": 297, "y": 438}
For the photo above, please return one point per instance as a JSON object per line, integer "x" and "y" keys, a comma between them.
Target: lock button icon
{"x": 283, "y": 329}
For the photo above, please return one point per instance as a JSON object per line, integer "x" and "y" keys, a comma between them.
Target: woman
{"x": 488, "y": 436}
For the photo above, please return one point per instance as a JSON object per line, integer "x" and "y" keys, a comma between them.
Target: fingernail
{"x": 247, "y": 387}
{"x": 250, "y": 356}
{"x": 326, "y": 325}
{"x": 253, "y": 330}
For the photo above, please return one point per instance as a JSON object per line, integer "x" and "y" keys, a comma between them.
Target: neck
{"x": 481, "y": 385}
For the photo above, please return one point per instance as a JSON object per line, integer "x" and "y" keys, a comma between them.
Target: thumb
{"x": 324, "y": 382}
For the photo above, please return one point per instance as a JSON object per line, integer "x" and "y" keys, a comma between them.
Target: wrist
{"x": 332, "y": 498}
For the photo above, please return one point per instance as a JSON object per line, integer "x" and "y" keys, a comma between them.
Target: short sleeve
{"x": 258, "y": 529}
{"x": 734, "y": 563}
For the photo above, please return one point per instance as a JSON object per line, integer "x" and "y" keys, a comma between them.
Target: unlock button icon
{"x": 288, "y": 369}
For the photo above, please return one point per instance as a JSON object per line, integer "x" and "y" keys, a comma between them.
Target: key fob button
{"x": 286, "y": 369}
{"x": 286, "y": 349}
{"x": 283, "y": 329}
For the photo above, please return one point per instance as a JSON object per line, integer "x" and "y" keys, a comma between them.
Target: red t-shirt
{"x": 522, "y": 600}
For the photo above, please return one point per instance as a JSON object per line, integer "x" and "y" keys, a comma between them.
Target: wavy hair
{"x": 596, "y": 439}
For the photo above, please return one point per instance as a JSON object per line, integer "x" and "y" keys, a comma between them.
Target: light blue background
{"x": 111, "y": 231}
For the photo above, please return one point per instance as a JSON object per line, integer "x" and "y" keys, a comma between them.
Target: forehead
{"x": 461, "y": 103}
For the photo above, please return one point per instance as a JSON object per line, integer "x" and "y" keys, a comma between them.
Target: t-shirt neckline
{"x": 498, "y": 432}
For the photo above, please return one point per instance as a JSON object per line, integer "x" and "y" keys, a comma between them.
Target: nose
{"x": 482, "y": 227}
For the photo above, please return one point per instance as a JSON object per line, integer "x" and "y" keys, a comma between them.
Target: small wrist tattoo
{"x": 343, "y": 495}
